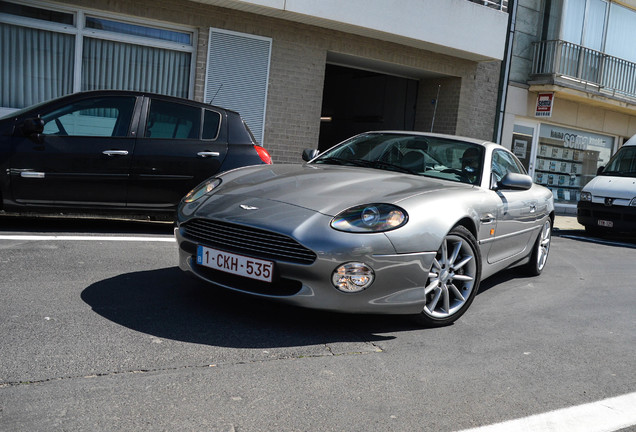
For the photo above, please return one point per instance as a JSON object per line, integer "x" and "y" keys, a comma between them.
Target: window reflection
{"x": 138, "y": 30}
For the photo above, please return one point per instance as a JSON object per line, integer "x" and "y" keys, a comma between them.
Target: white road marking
{"x": 85, "y": 238}
{"x": 607, "y": 415}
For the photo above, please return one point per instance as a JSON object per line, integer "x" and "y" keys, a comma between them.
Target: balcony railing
{"x": 501, "y": 5}
{"x": 580, "y": 66}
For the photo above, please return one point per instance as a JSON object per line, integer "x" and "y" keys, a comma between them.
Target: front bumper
{"x": 398, "y": 287}
{"x": 623, "y": 218}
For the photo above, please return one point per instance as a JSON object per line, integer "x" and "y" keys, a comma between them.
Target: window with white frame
{"x": 47, "y": 51}
{"x": 602, "y": 25}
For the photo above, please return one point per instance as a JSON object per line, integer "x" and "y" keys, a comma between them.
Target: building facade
{"x": 571, "y": 96}
{"x": 304, "y": 74}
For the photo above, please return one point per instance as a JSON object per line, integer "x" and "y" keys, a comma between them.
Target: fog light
{"x": 352, "y": 277}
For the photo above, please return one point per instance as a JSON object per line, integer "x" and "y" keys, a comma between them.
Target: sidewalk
{"x": 563, "y": 222}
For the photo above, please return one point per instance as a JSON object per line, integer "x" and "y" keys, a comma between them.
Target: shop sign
{"x": 577, "y": 140}
{"x": 544, "y": 105}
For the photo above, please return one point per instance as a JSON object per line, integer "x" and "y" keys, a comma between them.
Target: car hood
{"x": 612, "y": 187}
{"x": 326, "y": 189}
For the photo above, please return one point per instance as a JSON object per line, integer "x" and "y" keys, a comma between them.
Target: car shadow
{"x": 168, "y": 304}
{"x": 500, "y": 278}
{"x": 610, "y": 239}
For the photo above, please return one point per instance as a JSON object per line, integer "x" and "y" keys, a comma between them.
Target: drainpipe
{"x": 505, "y": 73}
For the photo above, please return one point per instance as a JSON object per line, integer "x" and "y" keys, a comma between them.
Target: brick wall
{"x": 478, "y": 100}
{"x": 468, "y": 91}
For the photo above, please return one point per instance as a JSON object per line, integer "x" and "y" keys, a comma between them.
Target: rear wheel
{"x": 453, "y": 280}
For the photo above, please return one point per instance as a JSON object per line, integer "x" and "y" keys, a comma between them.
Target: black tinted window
{"x": 173, "y": 120}
{"x": 103, "y": 116}
{"x": 211, "y": 122}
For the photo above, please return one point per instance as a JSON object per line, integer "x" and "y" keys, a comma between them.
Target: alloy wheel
{"x": 451, "y": 279}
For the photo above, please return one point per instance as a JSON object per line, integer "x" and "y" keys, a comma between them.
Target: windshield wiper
{"x": 386, "y": 166}
{"x": 338, "y": 161}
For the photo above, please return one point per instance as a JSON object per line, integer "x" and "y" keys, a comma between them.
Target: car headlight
{"x": 202, "y": 189}
{"x": 585, "y": 196}
{"x": 370, "y": 218}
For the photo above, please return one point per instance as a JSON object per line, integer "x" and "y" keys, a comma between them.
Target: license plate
{"x": 240, "y": 265}
{"x": 605, "y": 223}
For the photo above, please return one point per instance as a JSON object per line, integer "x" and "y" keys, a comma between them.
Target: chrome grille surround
{"x": 246, "y": 240}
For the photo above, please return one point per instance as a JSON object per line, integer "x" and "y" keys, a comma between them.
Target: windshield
{"x": 428, "y": 156}
{"x": 19, "y": 112}
{"x": 623, "y": 164}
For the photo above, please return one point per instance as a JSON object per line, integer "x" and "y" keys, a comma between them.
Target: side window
{"x": 211, "y": 123}
{"x": 173, "y": 120}
{"x": 503, "y": 163}
{"x": 99, "y": 117}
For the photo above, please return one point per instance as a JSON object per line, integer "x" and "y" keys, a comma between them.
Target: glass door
{"x": 523, "y": 144}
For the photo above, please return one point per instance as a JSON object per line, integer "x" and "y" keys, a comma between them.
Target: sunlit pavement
{"x": 562, "y": 222}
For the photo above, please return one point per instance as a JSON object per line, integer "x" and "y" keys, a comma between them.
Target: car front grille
{"x": 246, "y": 240}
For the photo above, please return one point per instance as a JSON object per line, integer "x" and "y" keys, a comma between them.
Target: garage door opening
{"x": 356, "y": 101}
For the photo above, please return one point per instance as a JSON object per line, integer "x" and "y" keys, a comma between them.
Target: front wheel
{"x": 453, "y": 280}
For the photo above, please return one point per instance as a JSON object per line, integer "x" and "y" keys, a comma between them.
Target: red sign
{"x": 544, "y": 105}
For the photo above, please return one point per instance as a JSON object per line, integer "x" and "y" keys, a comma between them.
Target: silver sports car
{"x": 384, "y": 222}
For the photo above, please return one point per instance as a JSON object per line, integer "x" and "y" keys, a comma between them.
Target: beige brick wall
{"x": 440, "y": 117}
{"x": 478, "y": 101}
{"x": 468, "y": 93}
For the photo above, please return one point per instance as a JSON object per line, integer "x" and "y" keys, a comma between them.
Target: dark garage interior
{"x": 356, "y": 100}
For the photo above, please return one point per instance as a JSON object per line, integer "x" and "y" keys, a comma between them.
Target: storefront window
{"x": 567, "y": 159}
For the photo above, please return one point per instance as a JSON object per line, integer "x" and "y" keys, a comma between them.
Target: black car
{"x": 117, "y": 150}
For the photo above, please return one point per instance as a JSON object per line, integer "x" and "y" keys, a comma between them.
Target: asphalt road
{"x": 107, "y": 334}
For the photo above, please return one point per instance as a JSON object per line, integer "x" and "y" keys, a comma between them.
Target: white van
{"x": 608, "y": 201}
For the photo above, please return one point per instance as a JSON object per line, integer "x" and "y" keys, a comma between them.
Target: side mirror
{"x": 309, "y": 154}
{"x": 32, "y": 126}
{"x": 600, "y": 170}
{"x": 515, "y": 181}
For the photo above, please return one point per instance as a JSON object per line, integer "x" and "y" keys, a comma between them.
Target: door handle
{"x": 32, "y": 174}
{"x": 487, "y": 218}
{"x": 115, "y": 152}
{"x": 208, "y": 154}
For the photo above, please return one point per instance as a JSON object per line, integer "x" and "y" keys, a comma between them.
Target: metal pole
{"x": 435, "y": 108}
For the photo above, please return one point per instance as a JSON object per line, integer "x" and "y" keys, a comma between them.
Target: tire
{"x": 453, "y": 280}
{"x": 540, "y": 250}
